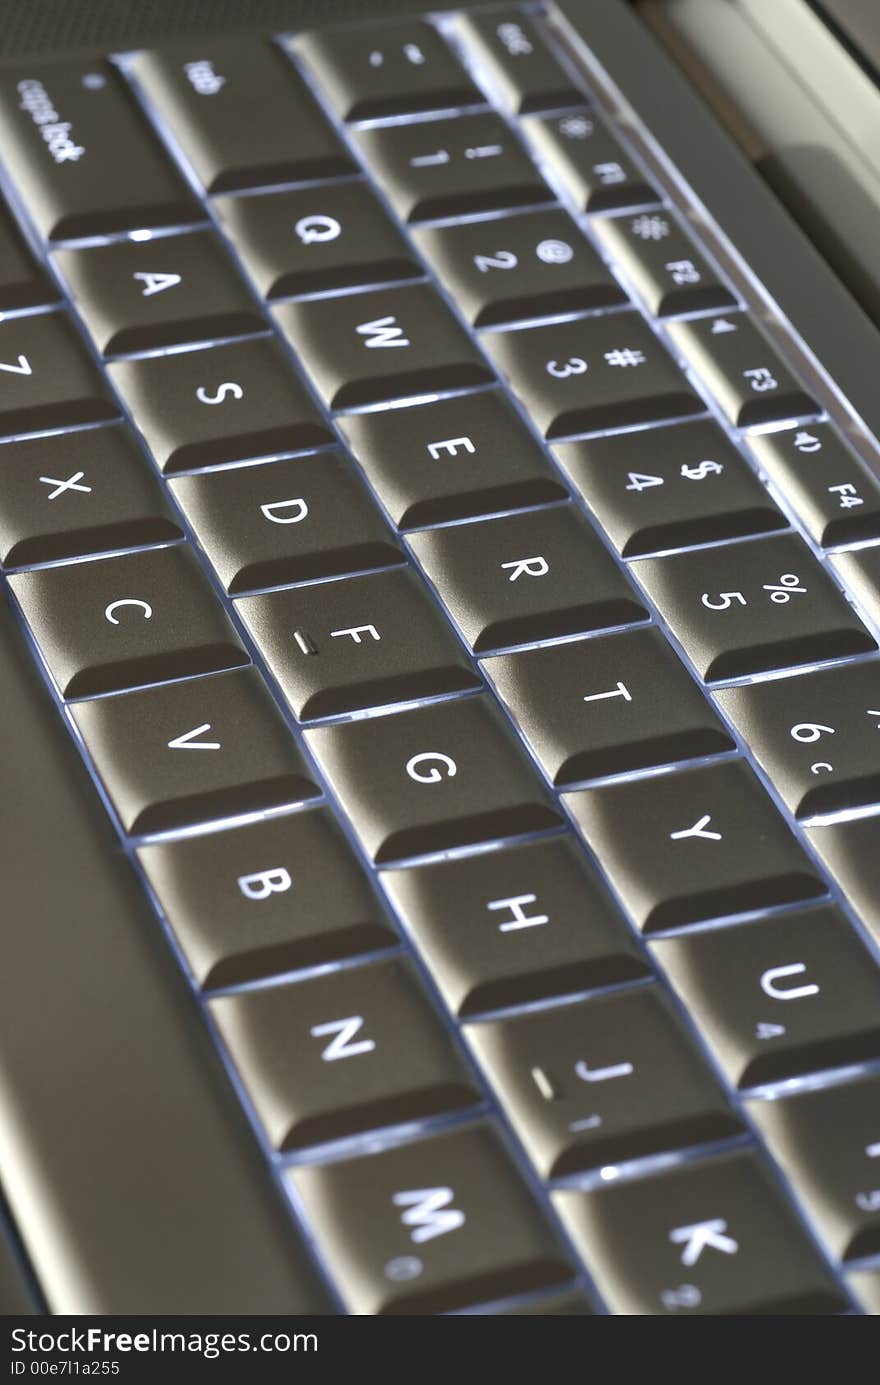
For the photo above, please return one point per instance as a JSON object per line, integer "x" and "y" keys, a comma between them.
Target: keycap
{"x": 519, "y": 63}
{"x": 669, "y": 487}
{"x": 367, "y": 348}
{"x": 23, "y": 282}
{"x": 589, "y": 162}
{"x": 865, "y": 1287}
{"x": 371, "y": 70}
{"x": 762, "y": 605}
{"x": 780, "y": 997}
{"x": 444, "y": 168}
{"x": 141, "y": 295}
{"x": 343, "y": 1053}
{"x": 230, "y": 104}
{"x": 225, "y": 404}
{"x": 83, "y": 157}
{"x": 593, "y": 373}
{"x": 46, "y": 377}
{"x": 507, "y": 927}
{"x": 139, "y": 618}
{"x": 573, "y": 1304}
{"x": 531, "y": 265}
{"x": 369, "y": 641}
{"x": 713, "y": 1237}
{"x": 859, "y": 574}
{"x": 314, "y": 239}
{"x": 827, "y": 1142}
{"x": 661, "y": 262}
{"x": 607, "y": 705}
{"x": 526, "y": 577}
{"x": 832, "y": 493}
{"x": 741, "y": 370}
{"x": 452, "y": 459}
{"x": 18, "y": 1297}
{"x": 286, "y": 521}
{"x": 72, "y": 494}
{"x": 602, "y": 1081}
{"x": 270, "y": 897}
{"x": 433, "y": 778}
{"x": 430, "y": 1226}
{"x": 193, "y": 752}
{"x": 696, "y": 844}
{"x": 851, "y": 852}
{"x": 817, "y": 735}
{"x": 130, "y": 1072}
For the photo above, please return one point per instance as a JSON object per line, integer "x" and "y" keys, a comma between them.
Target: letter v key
{"x": 23, "y": 367}
{"x": 188, "y": 740}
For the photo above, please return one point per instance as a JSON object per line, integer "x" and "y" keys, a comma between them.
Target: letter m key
{"x": 428, "y": 1213}
{"x": 383, "y": 331}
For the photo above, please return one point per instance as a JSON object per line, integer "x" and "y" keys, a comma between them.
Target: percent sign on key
{"x": 787, "y": 586}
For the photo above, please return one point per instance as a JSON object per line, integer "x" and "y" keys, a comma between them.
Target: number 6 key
{"x": 748, "y": 607}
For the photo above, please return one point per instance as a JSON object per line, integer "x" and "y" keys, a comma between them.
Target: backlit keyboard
{"x": 461, "y": 590}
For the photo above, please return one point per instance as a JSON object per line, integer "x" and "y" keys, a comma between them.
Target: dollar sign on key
{"x": 702, "y": 470}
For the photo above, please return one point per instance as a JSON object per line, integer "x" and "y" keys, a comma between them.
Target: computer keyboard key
{"x": 72, "y": 494}
{"x": 453, "y": 459}
{"x": 343, "y": 1053}
{"x": 18, "y": 1297}
{"x": 230, "y": 104}
{"x": 754, "y": 606}
{"x": 662, "y": 263}
{"x": 859, "y": 573}
{"x": 780, "y": 997}
{"x": 142, "y": 295}
{"x": 370, "y": 348}
{"x": 850, "y": 850}
{"x": 827, "y": 1142}
{"x": 507, "y": 927}
{"x": 445, "y": 168}
{"x": 426, "y": 780}
{"x": 23, "y": 282}
{"x": 341, "y": 647}
{"x": 526, "y": 577}
{"x": 46, "y": 377}
{"x": 118, "y": 622}
{"x": 530, "y": 265}
{"x": 224, "y": 404}
{"x": 606, "y": 705}
{"x": 865, "y": 1288}
{"x": 693, "y": 845}
{"x": 286, "y": 521}
{"x": 430, "y": 1226}
{"x": 602, "y": 1081}
{"x": 817, "y": 736}
{"x": 123, "y": 1063}
{"x": 593, "y": 168}
{"x": 669, "y": 487}
{"x": 373, "y": 70}
{"x": 741, "y": 370}
{"x": 833, "y": 494}
{"x": 592, "y": 373}
{"x": 270, "y": 897}
{"x": 83, "y": 157}
{"x": 193, "y": 752}
{"x": 315, "y": 239}
{"x": 522, "y": 67}
{"x": 714, "y": 1237}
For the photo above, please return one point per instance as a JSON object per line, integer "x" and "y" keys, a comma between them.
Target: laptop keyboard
{"x": 429, "y": 543}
